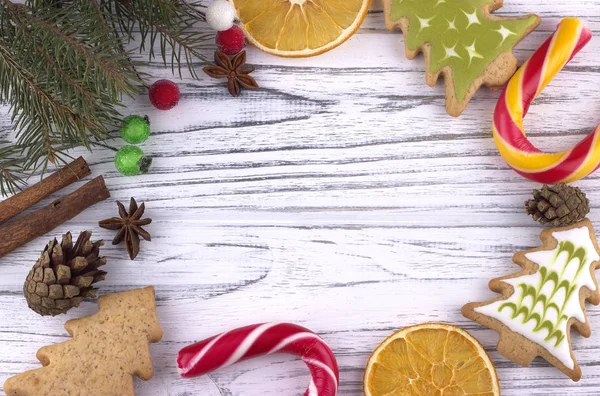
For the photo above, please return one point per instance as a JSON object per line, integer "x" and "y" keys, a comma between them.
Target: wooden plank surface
{"x": 339, "y": 196}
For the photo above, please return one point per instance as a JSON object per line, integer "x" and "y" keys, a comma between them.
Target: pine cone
{"x": 64, "y": 274}
{"x": 558, "y": 205}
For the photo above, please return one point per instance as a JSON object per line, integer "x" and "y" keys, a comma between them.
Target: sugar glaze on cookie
{"x": 544, "y": 301}
{"x": 540, "y": 304}
{"x": 462, "y": 41}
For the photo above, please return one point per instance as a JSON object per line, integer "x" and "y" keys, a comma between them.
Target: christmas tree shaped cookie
{"x": 461, "y": 40}
{"x": 107, "y": 349}
{"x": 540, "y": 303}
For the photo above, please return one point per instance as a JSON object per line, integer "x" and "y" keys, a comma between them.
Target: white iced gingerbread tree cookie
{"x": 540, "y": 303}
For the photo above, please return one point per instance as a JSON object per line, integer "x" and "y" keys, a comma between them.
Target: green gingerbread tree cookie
{"x": 462, "y": 41}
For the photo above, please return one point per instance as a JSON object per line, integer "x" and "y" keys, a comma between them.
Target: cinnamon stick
{"x": 46, "y": 219}
{"x": 22, "y": 201}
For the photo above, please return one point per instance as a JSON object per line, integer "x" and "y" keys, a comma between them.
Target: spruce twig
{"x": 11, "y": 170}
{"x": 171, "y": 23}
{"x": 64, "y": 70}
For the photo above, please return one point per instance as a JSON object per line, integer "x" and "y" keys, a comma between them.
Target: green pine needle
{"x": 11, "y": 170}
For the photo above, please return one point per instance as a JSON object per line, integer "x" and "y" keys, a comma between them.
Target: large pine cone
{"x": 558, "y": 205}
{"x": 64, "y": 274}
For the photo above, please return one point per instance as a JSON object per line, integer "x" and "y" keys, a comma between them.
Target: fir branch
{"x": 64, "y": 70}
{"x": 169, "y": 22}
{"x": 109, "y": 29}
{"x": 62, "y": 81}
{"x": 83, "y": 43}
{"x": 39, "y": 109}
{"x": 11, "y": 170}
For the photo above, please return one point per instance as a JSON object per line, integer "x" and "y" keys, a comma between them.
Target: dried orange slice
{"x": 296, "y": 28}
{"x": 430, "y": 359}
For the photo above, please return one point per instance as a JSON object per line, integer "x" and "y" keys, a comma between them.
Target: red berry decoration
{"x": 164, "y": 94}
{"x": 231, "y": 41}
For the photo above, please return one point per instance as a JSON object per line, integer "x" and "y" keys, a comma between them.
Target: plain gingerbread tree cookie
{"x": 108, "y": 348}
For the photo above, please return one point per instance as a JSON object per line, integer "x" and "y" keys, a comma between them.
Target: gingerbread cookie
{"x": 107, "y": 349}
{"x": 460, "y": 40}
{"x": 540, "y": 303}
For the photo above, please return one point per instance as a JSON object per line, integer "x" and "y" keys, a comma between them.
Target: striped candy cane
{"x": 529, "y": 81}
{"x": 264, "y": 339}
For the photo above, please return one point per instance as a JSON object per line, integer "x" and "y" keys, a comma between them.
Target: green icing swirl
{"x": 462, "y": 36}
{"x": 557, "y": 277}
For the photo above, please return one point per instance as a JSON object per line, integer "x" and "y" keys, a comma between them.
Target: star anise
{"x": 234, "y": 70}
{"x": 129, "y": 226}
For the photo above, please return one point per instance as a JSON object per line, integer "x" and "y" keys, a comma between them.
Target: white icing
{"x": 567, "y": 270}
{"x": 552, "y": 314}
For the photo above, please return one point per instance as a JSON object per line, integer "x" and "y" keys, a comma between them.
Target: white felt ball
{"x": 220, "y": 15}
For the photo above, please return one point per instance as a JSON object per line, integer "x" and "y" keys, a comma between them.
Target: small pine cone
{"x": 558, "y": 205}
{"x": 64, "y": 274}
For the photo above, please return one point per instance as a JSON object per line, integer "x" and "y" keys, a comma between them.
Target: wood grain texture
{"x": 339, "y": 196}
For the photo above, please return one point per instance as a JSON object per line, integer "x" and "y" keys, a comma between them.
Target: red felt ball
{"x": 231, "y": 41}
{"x": 164, "y": 94}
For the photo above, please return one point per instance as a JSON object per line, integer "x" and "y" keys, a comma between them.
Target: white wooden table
{"x": 339, "y": 196}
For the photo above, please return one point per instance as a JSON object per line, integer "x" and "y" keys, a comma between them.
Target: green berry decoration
{"x": 130, "y": 161}
{"x": 135, "y": 129}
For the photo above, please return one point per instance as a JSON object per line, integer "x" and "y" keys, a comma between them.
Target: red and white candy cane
{"x": 529, "y": 81}
{"x": 264, "y": 339}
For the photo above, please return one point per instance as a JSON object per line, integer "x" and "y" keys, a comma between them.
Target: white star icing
{"x": 505, "y": 33}
{"x": 473, "y": 19}
{"x": 451, "y": 52}
{"x": 473, "y": 52}
{"x": 425, "y": 22}
{"x": 452, "y": 24}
